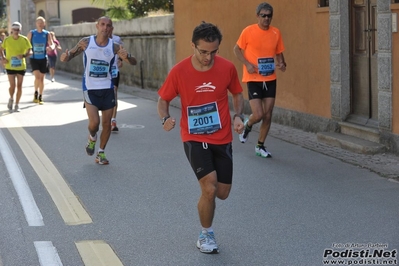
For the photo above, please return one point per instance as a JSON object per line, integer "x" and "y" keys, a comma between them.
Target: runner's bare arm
{"x": 28, "y": 52}
{"x": 282, "y": 65}
{"x": 2, "y": 55}
{"x": 240, "y": 56}
{"x": 168, "y": 123}
{"x": 50, "y": 42}
{"x": 124, "y": 55}
{"x": 75, "y": 51}
{"x": 29, "y": 36}
{"x": 238, "y": 105}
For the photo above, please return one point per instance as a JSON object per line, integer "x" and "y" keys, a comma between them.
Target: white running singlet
{"x": 98, "y": 61}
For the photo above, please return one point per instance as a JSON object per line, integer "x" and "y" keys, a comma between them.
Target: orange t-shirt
{"x": 204, "y": 99}
{"x": 260, "y": 48}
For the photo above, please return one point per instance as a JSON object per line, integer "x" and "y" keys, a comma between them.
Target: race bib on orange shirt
{"x": 266, "y": 66}
{"x": 203, "y": 119}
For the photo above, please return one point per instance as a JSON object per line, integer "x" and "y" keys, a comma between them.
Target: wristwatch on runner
{"x": 164, "y": 119}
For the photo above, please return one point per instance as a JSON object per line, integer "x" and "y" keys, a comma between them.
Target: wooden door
{"x": 364, "y": 96}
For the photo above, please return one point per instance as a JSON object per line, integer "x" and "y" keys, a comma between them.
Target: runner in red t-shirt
{"x": 203, "y": 81}
{"x": 260, "y": 48}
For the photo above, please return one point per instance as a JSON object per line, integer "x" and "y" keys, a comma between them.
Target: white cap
{"x": 16, "y": 25}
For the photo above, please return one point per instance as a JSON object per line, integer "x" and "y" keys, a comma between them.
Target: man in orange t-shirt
{"x": 203, "y": 82}
{"x": 260, "y": 48}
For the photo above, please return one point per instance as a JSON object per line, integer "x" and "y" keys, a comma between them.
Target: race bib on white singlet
{"x": 98, "y": 68}
{"x": 266, "y": 66}
{"x": 203, "y": 119}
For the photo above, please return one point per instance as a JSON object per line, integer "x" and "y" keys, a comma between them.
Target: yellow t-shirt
{"x": 260, "y": 48}
{"x": 13, "y": 48}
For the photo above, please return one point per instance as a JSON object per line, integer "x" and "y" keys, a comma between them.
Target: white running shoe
{"x": 207, "y": 243}
{"x": 244, "y": 135}
{"x": 262, "y": 152}
{"x": 9, "y": 105}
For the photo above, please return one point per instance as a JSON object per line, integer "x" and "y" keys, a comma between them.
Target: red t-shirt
{"x": 204, "y": 99}
{"x": 259, "y": 45}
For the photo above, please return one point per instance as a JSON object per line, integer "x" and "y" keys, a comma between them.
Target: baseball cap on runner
{"x": 16, "y": 26}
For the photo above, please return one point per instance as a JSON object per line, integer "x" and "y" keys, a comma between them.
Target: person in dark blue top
{"x": 42, "y": 42}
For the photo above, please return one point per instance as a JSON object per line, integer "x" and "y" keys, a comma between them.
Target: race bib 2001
{"x": 203, "y": 119}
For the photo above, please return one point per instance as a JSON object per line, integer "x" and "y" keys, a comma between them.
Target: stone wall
{"x": 28, "y": 16}
{"x": 151, "y": 40}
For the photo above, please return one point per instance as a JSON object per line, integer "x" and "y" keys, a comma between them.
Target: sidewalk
{"x": 385, "y": 164}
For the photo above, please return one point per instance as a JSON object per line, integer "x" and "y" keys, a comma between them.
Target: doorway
{"x": 364, "y": 68}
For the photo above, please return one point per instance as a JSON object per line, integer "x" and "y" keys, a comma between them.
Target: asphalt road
{"x": 298, "y": 208}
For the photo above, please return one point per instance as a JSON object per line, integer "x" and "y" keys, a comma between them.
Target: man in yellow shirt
{"x": 17, "y": 48}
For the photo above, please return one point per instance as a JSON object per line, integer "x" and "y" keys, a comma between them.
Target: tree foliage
{"x": 115, "y": 9}
{"x": 141, "y": 7}
{"x": 118, "y": 12}
{"x": 3, "y": 14}
{"x": 126, "y": 9}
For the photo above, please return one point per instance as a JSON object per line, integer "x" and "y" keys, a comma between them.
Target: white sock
{"x": 100, "y": 150}
{"x": 209, "y": 230}
{"x": 93, "y": 138}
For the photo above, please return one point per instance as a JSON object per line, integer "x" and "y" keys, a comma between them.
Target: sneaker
{"x": 9, "y": 105}
{"x": 40, "y": 100}
{"x": 52, "y": 80}
{"x": 262, "y": 152}
{"x": 35, "y": 97}
{"x": 16, "y": 108}
{"x": 91, "y": 145}
{"x": 244, "y": 135}
{"x": 207, "y": 243}
{"x": 101, "y": 159}
{"x": 114, "y": 128}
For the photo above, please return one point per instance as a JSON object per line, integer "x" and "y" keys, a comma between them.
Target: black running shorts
{"x": 206, "y": 158}
{"x": 260, "y": 90}
{"x": 15, "y": 72}
{"x": 39, "y": 64}
{"x": 102, "y": 99}
{"x": 116, "y": 80}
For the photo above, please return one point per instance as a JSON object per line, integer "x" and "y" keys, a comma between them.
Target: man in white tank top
{"x": 98, "y": 90}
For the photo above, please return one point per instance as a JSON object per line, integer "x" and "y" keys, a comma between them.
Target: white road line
{"x": 31, "y": 211}
{"x": 68, "y": 204}
{"x": 47, "y": 253}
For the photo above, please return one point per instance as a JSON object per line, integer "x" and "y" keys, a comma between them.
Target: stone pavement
{"x": 384, "y": 164}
